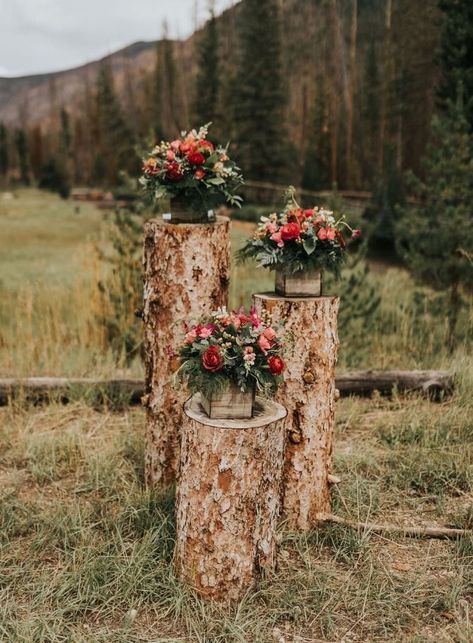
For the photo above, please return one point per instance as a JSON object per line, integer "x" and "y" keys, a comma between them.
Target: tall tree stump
{"x": 186, "y": 274}
{"x": 308, "y": 393}
{"x": 228, "y": 498}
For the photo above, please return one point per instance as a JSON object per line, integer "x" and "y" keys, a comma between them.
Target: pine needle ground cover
{"x": 86, "y": 550}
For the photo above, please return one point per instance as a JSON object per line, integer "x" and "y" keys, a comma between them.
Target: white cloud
{"x": 49, "y": 35}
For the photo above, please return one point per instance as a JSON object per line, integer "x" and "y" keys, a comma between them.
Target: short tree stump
{"x": 186, "y": 274}
{"x": 308, "y": 393}
{"x": 228, "y": 498}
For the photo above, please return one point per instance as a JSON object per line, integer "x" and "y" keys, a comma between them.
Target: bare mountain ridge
{"x": 31, "y": 100}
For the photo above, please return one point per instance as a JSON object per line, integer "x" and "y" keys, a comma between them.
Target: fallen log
{"x": 411, "y": 532}
{"x": 63, "y": 389}
{"x": 435, "y": 384}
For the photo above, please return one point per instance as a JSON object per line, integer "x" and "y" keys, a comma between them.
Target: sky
{"x": 49, "y": 35}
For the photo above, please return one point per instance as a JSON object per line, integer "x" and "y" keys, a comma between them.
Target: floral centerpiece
{"x": 194, "y": 174}
{"x": 298, "y": 244}
{"x": 226, "y": 357}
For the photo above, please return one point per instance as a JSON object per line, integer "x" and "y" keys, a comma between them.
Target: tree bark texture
{"x": 308, "y": 393}
{"x": 228, "y": 499}
{"x": 186, "y": 274}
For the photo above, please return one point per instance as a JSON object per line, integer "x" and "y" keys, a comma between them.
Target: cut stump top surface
{"x": 264, "y": 412}
{"x": 272, "y": 296}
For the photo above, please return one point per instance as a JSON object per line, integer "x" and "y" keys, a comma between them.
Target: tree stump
{"x": 186, "y": 274}
{"x": 308, "y": 393}
{"x": 228, "y": 498}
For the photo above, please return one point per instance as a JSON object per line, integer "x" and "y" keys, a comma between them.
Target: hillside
{"x": 359, "y": 78}
{"x": 65, "y": 88}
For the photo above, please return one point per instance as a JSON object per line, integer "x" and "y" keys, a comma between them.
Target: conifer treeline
{"x": 309, "y": 91}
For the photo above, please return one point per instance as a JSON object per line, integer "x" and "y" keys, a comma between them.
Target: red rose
{"x": 174, "y": 172}
{"x": 290, "y": 231}
{"x": 276, "y": 365}
{"x": 212, "y": 360}
{"x": 196, "y": 158}
{"x": 199, "y": 174}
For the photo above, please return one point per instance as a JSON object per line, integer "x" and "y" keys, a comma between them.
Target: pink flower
{"x": 175, "y": 145}
{"x": 272, "y": 227}
{"x": 277, "y": 238}
{"x": 205, "y": 333}
{"x": 236, "y": 321}
{"x": 264, "y": 344}
{"x": 191, "y": 336}
{"x": 322, "y": 234}
{"x": 170, "y": 155}
{"x": 356, "y": 233}
{"x": 249, "y": 349}
{"x": 270, "y": 333}
{"x": 254, "y": 318}
{"x": 331, "y": 233}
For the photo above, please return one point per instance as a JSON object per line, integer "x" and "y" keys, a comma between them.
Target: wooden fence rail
{"x": 434, "y": 384}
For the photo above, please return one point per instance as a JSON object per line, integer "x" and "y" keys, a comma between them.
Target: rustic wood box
{"x": 181, "y": 212}
{"x": 230, "y": 404}
{"x": 299, "y": 284}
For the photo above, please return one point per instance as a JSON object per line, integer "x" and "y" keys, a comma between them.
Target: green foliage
{"x": 22, "y": 150}
{"x": 4, "y": 156}
{"x": 207, "y": 89}
{"x": 259, "y": 99}
{"x": 436, "y": 238}
{"x": 54, "y": 178}
{"x": 115, "y": 143}
{"x": 123, "y": 289}
{"x": 316, "y": 170}
{"x": 456, "y": 54}
{"x": 381, "y": 213}
{"x": 66, "y": 135}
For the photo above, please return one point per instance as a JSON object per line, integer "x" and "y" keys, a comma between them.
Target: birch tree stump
{"x": 186, "y": 274}
{"x": 308, "y": 393}
{"x": 228, "y": 498}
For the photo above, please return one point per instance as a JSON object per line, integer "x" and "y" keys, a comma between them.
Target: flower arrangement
{"x": 299, "y": 239}
{"x": 193, "y": 169}
{"x": 228, "y": 348}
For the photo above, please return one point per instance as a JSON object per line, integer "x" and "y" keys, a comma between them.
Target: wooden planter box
{"x": 230, "y": 404}
{"x": 299, "y": 284}
{"x": 181, "y": 212}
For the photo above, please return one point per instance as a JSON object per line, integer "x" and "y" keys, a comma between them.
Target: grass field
{"x": 86, "y": 550}
{"x": 50, "y": 268}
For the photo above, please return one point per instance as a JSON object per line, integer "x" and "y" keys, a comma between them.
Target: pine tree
{"x": 36, "y": 137}
{"x": 66, "y": 136}
{"x": 4, "y": 155}
{"x": 456, "y": 53}
{"x": 115, "y": 144}
{"x": 436, "y": 239}
{"x": 259, "y": 109}
{"x": 316, "y": 171}
{"x": 165, "y": 108}
{"x": 207, "y": 90}
{"x": 21, "y": 144}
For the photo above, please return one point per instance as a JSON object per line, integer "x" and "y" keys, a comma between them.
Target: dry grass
{"x": 83, "y": 543}
{"x": 50, "y": 302}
